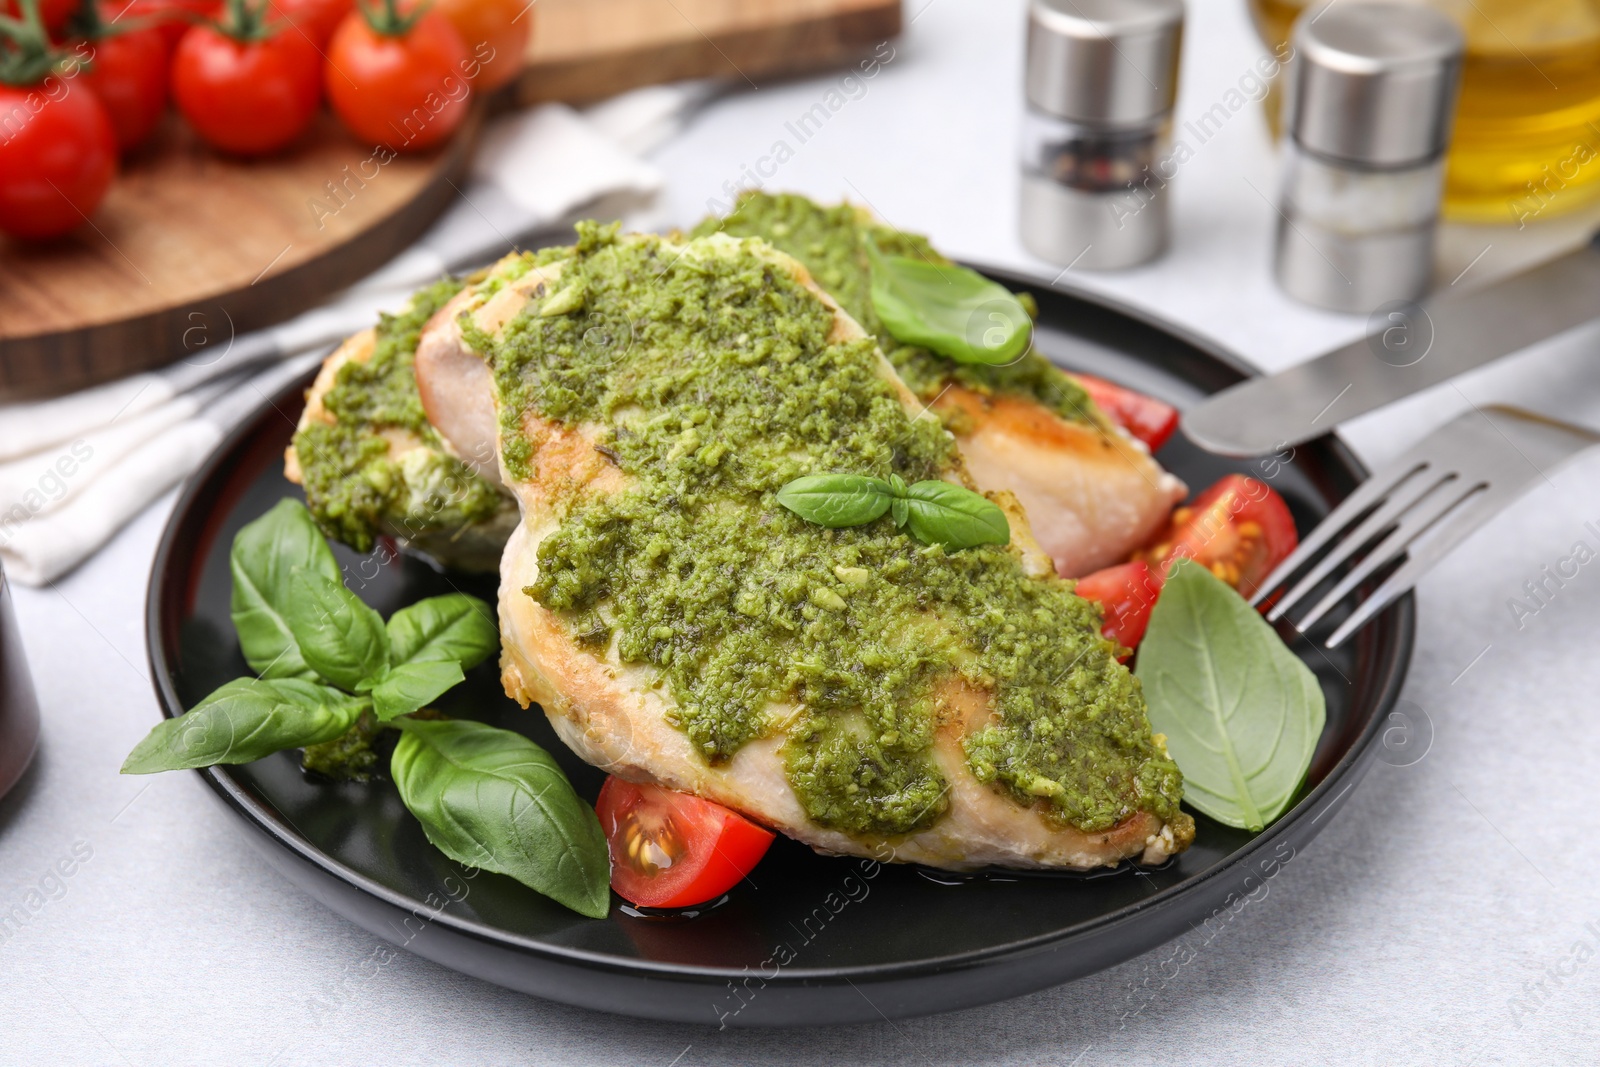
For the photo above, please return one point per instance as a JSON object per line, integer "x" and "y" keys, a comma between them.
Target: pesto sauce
{"x": 831, "y": 242}
{"x": 723, "y": 389}
{"x": 354, "y": 488}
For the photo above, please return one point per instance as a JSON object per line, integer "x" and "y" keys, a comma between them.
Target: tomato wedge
{"x": 1240, "y": 529}
{"x": 1144, "y": 417}
{"x": 671, "y": 849}
{"x": 1126, "y": 594}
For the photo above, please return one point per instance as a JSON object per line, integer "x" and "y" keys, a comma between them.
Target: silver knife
{"x": 1412, "y": 347}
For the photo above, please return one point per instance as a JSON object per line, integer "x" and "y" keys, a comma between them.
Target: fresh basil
{"x": 947, "y": 309}
{"x": 1242, "y": 713}
{"x": 934, "y": 512}
{"x": 409, "y": 686}
{"x": 341, "y": 638}
{"x": 939, "y": 513}
{"x": 244, "y": 720}
{"x": 454, "y": 627}
{"x": 837, "y": 500}
{"x": 493, "y": 799}
{"x": 265, "y": 555}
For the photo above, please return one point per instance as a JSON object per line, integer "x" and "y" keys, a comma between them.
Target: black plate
{"x": 814, "y": 939}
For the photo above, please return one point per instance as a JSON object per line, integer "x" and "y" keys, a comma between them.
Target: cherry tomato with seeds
{"x": 671, "y": 849}
{"x": 398, "y": 79}
{"x": 1126, "y": 593}
{"x": 1239, "y": 529}
{"x": 249, "y": 86}
{"x": 1145, "y": 417}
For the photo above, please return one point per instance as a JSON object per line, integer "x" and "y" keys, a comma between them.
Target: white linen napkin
{"x": 75, "y": 469}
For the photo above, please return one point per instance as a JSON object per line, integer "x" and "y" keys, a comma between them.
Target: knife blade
{"x": 1412, "y": 347}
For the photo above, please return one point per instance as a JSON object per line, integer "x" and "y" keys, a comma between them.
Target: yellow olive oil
{"x": 1527, "y": 131}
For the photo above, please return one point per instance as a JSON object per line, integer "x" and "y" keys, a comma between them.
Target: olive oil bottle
{"x": 1527, "y": 130}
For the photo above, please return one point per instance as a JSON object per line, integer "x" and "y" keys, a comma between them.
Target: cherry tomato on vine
{"x": 126, "y": 69}
{"x": 317, "y": 18}
{"x": 249, "y": 86}
{"x": 170, "y": 18}
{"x": 496, "y": 34}
{"x": 398, "y": 79}
{"x": 671, "y": 849}
{"x": 54, "y": 13}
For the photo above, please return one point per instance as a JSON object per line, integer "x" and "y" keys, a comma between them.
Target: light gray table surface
{"x": 1449, "y": 914}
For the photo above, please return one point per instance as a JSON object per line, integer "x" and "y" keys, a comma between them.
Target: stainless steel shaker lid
{"x": 1104, "y": 62}
{"x": 1373, "y": 82}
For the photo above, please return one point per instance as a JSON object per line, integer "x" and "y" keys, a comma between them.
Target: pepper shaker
{"x": 1102, "y": 76}
{"x": 1371, "y": 93}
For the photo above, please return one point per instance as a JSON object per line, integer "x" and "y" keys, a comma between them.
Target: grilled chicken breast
{"x": 1094, "y": 493}
{"x": 1048, "y": 772}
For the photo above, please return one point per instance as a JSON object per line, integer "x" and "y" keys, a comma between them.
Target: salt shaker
{"x": 1372, "y": 88}
{"x": 1102, "y": 76}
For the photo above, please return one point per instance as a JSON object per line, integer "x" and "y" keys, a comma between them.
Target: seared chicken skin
{"x": 617, "y": 694}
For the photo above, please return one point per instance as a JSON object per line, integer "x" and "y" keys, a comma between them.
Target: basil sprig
{"x": 1242, "y": 713}
{"x": 947, "y": 309}
{"x": 934, "y": 512}
{"x": 329, "y": 664}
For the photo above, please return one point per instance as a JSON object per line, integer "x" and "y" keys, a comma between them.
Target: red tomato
{"x": 1239, "y": 529}
{"x": 171, "y": 18}
{"x": 1126, "y": 594}
{"x": 408, "y": 92}
{"x": 496, "y": 34}
{"x": 128, "y": 72}
{"x": 1144, "y": 417}
{"x": 670, "y": 849}
{"x": 249, "y": 97}
{"x": 53, "y": 13}
{"x": 316, "y": 18}
{"x": 57, "y": 157}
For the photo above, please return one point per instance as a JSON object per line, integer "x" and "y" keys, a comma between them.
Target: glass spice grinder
{"x": 1101, "y": 79}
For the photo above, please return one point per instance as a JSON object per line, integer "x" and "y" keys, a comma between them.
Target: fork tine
{"x": 1368, "y": 494}
{"x": 1377, "y": 523}
{"x": 1422, "y": 555}
{"x": 1411, "y": 526}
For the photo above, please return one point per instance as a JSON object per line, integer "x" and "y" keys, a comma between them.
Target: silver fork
{"x": 1420, "y": 507}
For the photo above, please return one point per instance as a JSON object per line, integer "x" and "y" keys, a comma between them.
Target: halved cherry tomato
{"x": 1144, "y": 417}
{"x": 1126, "y": 594}
{"x": 398, "y": 79}
{"x": 247, "y": 86}
{"x": 1240, "y": 529}
{"x": 671, "y": 849}
{"x": 128, "y": 72}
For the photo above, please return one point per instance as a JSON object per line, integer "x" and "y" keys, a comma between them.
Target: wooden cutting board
{"x": 190, "y": 247}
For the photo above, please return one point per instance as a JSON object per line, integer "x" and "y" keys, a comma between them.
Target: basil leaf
{"x": 454, "y": 627}
{"x": 411, "y": 685}
{"x": 1242, "y": 713}
{"x": 340, "y": 637}
{"x": 493, "y": 799}
{"x": 939, "y": 513}
{"x": 265, "y": 555}
{"x": 836, "y": 500}
{"x": 947, "y": 309}
{"x": 244, "y": 720}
